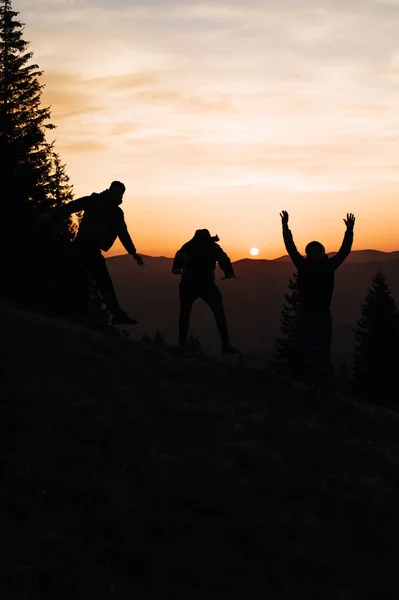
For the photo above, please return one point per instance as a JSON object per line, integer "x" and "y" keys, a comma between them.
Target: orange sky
{"x": 219, "y": 114}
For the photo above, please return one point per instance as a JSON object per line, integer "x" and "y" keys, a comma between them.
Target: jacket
{"x": 316, "y": 278}
{"x": 198, "y": 261}
{"x": 101, "y": 224}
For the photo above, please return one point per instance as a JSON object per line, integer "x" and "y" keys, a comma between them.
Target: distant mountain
{"x": 158, "y": 263}
{"x": 253, "y": 302}
{"x": 164, "y": 263}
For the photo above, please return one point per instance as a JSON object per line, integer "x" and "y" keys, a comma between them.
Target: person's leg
{"x": 68, "y": 295}
{"x": 325, "y": 339}
{"x": 96, "y": 265}
{"x": 187, "y": 296}
{"x": 213, "y": 298}
{"x": 308, "y": 338}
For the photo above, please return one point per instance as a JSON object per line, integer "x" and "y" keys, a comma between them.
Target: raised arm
{"x": 346, "y": 246}
{"x": 67, "y": 209}
{"x": 224, "y": 263}
{"x": 127, "y": 242}
{"x": 293, "y": 253}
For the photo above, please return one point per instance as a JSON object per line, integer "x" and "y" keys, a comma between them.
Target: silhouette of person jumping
{"x": 316, "y": 285}
{"x": 196, "y": 263}
{"x": 102, "y": 222}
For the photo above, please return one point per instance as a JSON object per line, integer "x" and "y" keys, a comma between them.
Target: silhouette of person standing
{"x": 102, "y": 222}
{"x": 196, "y": 263}
{"x": 316, "y": 274}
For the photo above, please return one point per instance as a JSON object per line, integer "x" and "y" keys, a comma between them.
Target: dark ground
{"x": 130, "y": 473}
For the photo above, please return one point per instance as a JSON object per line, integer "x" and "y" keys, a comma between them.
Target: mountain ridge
{"x": 356, "y": 256}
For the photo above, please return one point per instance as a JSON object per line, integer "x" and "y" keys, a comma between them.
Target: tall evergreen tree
{"x": 31, "y": 173}
{"x": 59, "y": 191}
{"x": 23, "y": 122}
{"x": 376, "y": 354}
{"x": 286, "y": 359}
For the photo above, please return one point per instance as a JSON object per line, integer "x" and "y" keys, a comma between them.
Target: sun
{"x": 254, "y": 252}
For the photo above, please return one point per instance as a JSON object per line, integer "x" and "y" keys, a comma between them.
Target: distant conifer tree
{"x": 286, "y": 358}
{"x": 194, "y": 346}
{"x": 158, "y": 340}
{"x": 376, "y": 353}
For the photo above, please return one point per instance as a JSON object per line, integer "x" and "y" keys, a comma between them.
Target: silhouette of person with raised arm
{"x": 102, "y": 222}
{"x": 316, "y": 285}
{"x": 196, "y": 263}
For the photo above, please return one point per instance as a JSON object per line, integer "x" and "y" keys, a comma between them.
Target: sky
{"x": 220, "y": 114}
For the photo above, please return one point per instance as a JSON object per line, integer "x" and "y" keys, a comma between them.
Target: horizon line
{"x": 279, "y": 258}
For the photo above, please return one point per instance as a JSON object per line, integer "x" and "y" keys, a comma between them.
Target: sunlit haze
{"x": 220, "y": 114}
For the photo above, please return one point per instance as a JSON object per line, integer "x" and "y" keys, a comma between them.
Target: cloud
{"x": 369, "y": 109}
{"x": 181, "y": 100}
{"x": 223, "y": 99}
{"x": 124, "y": 128}
{"x": 126, "y": 81}
{"x": 68, "y": 95}
{"x": 82, "y": 146}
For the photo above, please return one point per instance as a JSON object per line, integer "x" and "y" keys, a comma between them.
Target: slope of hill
{"x": 131, "y": 473}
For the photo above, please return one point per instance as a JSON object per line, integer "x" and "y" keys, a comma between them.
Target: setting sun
{"x": 254, "y": 251}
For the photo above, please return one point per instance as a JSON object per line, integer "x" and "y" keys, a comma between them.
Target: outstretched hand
{"x": 138, "y": 259}
{"x": 284, "y": 218}
{"x": 350, "y": 221}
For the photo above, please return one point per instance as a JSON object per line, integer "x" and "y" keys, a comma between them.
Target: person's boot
{"x": 227, "y": 348}
{"x": 121, "y": 318}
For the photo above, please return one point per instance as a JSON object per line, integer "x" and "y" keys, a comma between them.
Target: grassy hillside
{"x": 130, "y": 473}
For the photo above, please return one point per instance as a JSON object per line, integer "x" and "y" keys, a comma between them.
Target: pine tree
{"x": 53, "y": 240}
{"x": 286, "y": 357}
{"x": 23, "y": 122}
{"x": 194, "y": 346}
{"x": 59, "y": 191}
{"x": 376, "y": 354}
{"x": 158, "y": 340}
{"x": 31, "y": 173}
